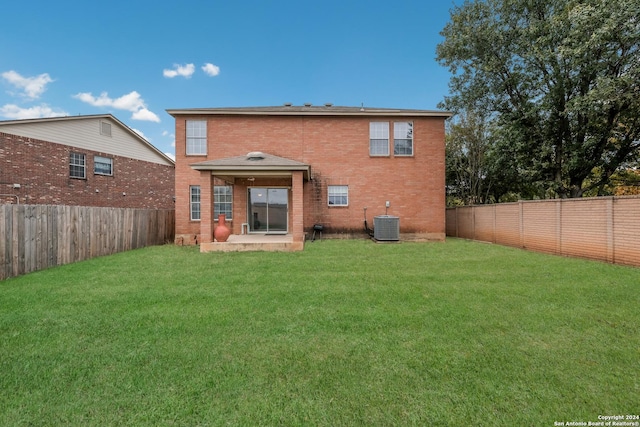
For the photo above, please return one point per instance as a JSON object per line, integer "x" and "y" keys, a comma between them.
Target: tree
{"x": 467, "y": 146}
{"x": 558, "y": 78}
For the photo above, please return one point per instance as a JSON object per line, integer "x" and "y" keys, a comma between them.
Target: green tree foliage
{"x": 467, "y": 146}
{"x": 559, "y": 79}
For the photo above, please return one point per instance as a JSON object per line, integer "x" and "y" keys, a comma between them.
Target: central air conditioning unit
{"x": 386, "y": 228}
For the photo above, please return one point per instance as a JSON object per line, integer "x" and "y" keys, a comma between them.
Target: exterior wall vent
{"x": 386, "y": 228}
{"x": 105, "y": 128}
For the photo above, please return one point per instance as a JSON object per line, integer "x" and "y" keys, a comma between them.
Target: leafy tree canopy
{"x": 559, "y": 79}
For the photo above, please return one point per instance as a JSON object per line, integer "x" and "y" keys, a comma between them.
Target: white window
{"x": 223, "y": 201}
{"x": 403, "y": 139}
{"x": 196, "y": 137}
{"x": 194, "y": 202}
{"x": 338, "y": 195}
{"x": 102, "y": 165}
{"x": 77, "y": 165}
{"x": 379, "y": 138}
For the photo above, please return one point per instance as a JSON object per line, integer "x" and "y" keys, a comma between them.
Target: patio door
{"x": 268, "y": 210}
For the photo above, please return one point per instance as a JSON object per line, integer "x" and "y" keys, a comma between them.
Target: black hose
{"x": 366, "y": 226}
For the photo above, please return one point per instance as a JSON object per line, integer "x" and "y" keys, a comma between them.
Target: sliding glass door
{"x": 268, "y": 210}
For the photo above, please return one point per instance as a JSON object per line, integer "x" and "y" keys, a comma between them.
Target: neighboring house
{"x": 286, "y": 169}
{"x": 91, "y": 160}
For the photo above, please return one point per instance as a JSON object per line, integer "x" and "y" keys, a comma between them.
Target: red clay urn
{"x": 221, "y": 232}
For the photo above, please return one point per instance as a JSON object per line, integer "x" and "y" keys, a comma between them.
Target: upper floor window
{"x": 77, "y": 165}
{"x": 403, "y": 138}
{"x": 102, "y": 165}
{"x": 223, "y": 201}
{"x": 379, "y": 138}
{"x": 194, "y": 202}
{"x": 338, "y": 195}
{"x": 196, "y": 137}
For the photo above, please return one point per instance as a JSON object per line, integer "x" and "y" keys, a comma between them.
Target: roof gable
{"x": 84, "y": 132}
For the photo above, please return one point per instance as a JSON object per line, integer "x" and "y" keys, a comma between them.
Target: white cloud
{"x": 129, "y": 102}
{"x": 12, "y": 111}
{"x": 170, "y": 135}
{"x": 171, "y": 156}
{"x": 185, "y": 71}
{"x": 145, "y": 115}
{"x": 210, "y": 69}
{"x": 32, "y": 87}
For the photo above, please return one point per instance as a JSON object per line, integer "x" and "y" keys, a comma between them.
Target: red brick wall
{"x": 42, "y": 170}
{"x": 337, "y": 148}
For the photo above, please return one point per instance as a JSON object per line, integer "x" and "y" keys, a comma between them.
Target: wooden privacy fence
{"x": 602, "y": 228}
{"x": 34, "y": 237}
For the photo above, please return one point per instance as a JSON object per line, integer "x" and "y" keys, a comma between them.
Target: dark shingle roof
{"x": 253, "y": 162}
{"x": 309, "y": 110}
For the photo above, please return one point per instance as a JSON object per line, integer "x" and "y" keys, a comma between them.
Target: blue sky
{"x": 137, "y": 58}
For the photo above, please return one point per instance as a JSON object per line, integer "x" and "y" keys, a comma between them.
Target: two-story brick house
{"x": 91, "y": 160}
{"x": 285, "y": 169}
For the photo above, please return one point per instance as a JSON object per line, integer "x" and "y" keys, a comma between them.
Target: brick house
{"x": 282, "y": 170}
{"x": 91, "y": 160}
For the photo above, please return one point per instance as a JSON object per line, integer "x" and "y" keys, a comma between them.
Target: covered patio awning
{"x": 253, "y": 164}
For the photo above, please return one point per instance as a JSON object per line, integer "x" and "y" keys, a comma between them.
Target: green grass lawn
{"x": 342, "y": 333}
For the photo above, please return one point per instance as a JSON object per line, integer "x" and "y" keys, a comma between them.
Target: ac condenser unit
{"x": 386, "y": 227}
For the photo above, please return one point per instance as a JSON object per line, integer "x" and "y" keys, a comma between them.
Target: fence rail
{"x": 35, "y": 237}
{"x": 602, "y": 228}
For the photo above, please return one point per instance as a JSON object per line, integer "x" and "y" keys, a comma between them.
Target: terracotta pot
{"x": 221, "y": 232}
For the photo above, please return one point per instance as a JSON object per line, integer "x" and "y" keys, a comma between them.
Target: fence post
{"x": 610, "y": 237}
{"x": 559, "y": 226}
{"x": 521, "y": 220}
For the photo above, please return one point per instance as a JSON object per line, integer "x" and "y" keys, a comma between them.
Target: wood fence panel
{"x": 34, "y": 237}
{"x": 5, "y": 241}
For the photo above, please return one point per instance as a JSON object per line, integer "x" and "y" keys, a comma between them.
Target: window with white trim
{"x": 102, "y": 165}
{"x": 196, "y": 137}
{"x": 223, "y": 201}
{"x": 379, "y": 138}
{"x": 338, "y": 195}
{"x": 77, "y": 165}
{"x": 194, "y": 202}
{"x": 403, "y": 138}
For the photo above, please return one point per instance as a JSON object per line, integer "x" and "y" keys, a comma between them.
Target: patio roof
{"x": 253, "y": 164}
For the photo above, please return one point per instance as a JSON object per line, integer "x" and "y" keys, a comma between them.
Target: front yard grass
{"x": 342, "y": 333}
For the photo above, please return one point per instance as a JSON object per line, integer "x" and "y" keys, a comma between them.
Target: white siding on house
{"x": 84, "y": 133}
